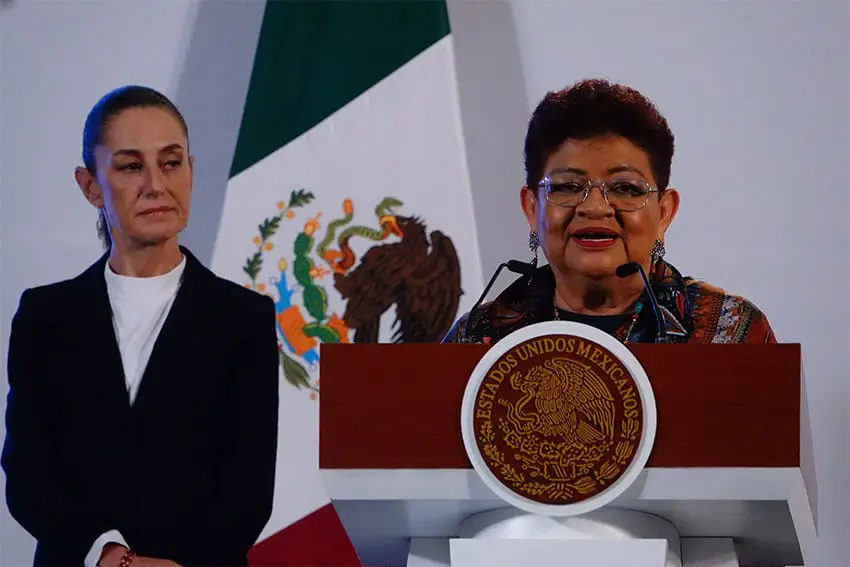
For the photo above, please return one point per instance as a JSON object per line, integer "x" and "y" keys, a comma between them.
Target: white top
{"x": 140, "y": 307}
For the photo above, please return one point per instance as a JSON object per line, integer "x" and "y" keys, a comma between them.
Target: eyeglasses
{"x": 570, "y": 190}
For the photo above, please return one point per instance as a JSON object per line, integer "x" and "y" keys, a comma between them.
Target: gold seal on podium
{"x": 559, "y": 419}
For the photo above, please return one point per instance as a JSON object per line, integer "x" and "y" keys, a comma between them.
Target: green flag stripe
{"x": 314, "y": 57}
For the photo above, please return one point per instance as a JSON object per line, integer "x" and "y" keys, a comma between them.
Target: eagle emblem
{"x": 557, "y": 419}
{"x": 571, "y": 403}
{"x": 339, "y": 279}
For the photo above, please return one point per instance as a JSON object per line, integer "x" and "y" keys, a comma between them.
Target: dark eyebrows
{"x": 574, "y": 170}
{"x": 170, "y": 148}
{"x": 125, "y": 152}
{"x": 631, "y": 168}
{"x": 611, "y": 171}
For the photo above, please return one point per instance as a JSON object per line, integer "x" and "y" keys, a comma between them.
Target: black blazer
{"x": 187, "y": 473}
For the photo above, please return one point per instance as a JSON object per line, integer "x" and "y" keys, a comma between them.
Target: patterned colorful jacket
{"x": 693, "y": 311}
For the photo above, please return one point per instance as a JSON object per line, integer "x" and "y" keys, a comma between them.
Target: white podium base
{"x": 607, "y": 525}
{"x": 609, "y": 537}
{"x": 696, "y": 552}
{"x": 557, "y": 553}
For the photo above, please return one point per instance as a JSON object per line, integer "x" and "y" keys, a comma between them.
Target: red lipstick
{"x": 595, "y": 237}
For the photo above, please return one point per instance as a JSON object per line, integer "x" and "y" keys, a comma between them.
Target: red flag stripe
{"x": 316, "y": 540}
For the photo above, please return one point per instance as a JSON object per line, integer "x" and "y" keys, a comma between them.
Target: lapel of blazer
{"x": 178, "y": 334}
{"x": 95, "y": 323}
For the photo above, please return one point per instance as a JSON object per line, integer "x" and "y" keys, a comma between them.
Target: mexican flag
{"x": 349, "y": 204}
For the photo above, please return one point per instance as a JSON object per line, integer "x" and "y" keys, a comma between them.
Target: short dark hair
{"x": 107, "y": 108}
{"x": 596, "y": 107}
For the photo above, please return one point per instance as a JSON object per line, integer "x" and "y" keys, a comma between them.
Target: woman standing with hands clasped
{"x": 143, "y": 407}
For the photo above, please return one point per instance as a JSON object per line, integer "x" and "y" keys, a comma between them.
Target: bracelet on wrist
{"x": 127, "y": 558}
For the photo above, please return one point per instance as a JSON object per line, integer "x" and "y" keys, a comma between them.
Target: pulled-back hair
{"x": 592, "y": 108}
{"x": 97, "y": 122}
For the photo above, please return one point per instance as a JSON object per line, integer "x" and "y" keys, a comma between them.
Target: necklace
{"x": 621, "y": 335}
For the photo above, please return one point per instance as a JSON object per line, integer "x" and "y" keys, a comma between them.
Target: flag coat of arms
{"x": 349, "y": 204}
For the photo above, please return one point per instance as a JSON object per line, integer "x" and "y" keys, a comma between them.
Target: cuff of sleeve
{"x": 112, "y": 536}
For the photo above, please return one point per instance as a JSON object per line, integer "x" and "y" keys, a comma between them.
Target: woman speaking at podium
{"x": 598, "y": 204}
{"x": 142, "y": 413}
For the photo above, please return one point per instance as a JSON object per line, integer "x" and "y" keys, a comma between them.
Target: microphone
{"x": 631, "y": 268}
{"x": 515, "y": 266}
{"x": 521, "y": 268}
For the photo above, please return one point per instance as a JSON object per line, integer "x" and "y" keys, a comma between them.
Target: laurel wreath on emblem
{"x": 581, "y": 458}
{"x": 287, "y": 313}
{"x": 303, "y": 316}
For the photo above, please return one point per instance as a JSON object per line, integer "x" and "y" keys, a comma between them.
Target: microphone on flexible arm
{"x": 631, "y": 268}
{"x": 515, "y": 266}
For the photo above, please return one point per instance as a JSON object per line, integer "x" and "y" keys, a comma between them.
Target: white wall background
{"x": 756, "y": 92}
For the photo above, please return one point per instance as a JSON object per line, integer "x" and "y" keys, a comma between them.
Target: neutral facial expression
{"x": 144, "y": 176}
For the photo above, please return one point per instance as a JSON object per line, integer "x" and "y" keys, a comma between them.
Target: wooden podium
{"x": 732, "y": 459}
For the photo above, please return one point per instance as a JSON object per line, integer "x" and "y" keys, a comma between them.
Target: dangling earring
{"x": 102, "y": 227}
{"x": 533, "y": 245}
{"x": 657, "y": 251}
{"x": 101, "y": 224}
